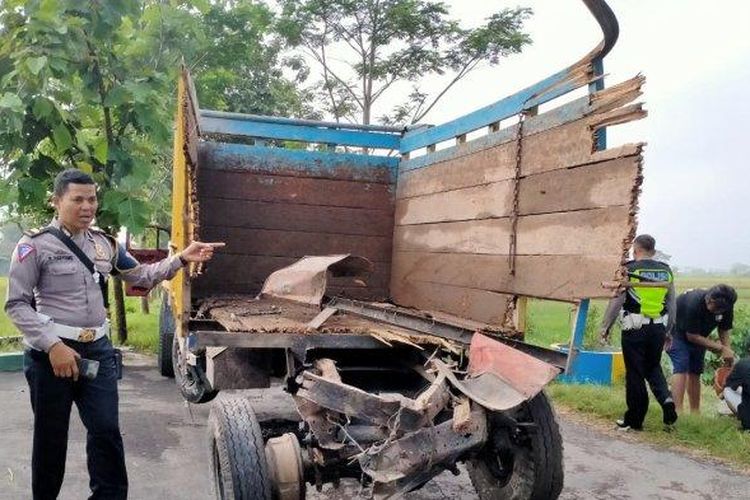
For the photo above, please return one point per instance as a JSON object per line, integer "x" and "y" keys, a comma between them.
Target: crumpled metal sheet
{"x": 305, "y": 281}
{"x": 499, "y": 377}
{"x": 503, "y": 377}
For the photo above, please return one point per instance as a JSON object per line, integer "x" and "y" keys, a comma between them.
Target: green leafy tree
{"x": 387, "y": 42}
{"x": 92, "y": 85}
{"x": 240, "y": 66}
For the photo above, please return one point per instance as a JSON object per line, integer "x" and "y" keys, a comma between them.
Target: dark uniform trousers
{"x": 51, "y": 401}
{"x": 641, "y": 351}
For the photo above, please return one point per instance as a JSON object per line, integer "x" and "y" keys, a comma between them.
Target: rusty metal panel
{"x": 306, "y": 280}
{"x": 526, "y": 374}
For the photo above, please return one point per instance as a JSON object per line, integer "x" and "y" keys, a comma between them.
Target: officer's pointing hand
{"x": 198, "y": 251}
{"x": 64, "y": 361}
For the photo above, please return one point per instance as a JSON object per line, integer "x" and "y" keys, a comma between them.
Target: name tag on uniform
{"x": 59, "y": 257}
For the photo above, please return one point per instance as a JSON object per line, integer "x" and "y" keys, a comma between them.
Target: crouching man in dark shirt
{"x": 737, "y": 389}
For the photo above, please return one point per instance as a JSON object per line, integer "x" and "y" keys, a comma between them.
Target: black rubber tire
{"x": 238, "y": 466}
{"x": 166, "y": 338}
{"x": 191, "y": 380}
{"x": 535, "y": 470}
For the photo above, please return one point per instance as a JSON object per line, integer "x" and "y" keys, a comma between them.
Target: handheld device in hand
{"x": 88, "y": 368}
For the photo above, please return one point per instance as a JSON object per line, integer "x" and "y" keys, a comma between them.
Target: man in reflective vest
{"x": 646, "y": 314}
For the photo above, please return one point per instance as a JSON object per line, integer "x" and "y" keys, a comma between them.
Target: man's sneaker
{"x": 670, "y": 413}
{"x": 624, "y": 427}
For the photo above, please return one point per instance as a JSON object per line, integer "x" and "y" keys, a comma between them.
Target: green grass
{"x": 741, "y": 284}
{"x": 143, "y": 329}
{"x": 707, "y": 433}
{"x": 551, "y": 322}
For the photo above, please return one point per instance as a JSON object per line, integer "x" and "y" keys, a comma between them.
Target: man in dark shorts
{"x": 699, "y": 312}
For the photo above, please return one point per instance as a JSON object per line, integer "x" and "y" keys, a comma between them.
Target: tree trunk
{"x": 122, "y": 323}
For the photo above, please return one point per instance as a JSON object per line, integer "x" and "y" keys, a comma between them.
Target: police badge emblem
{"x": 99, "y": 251}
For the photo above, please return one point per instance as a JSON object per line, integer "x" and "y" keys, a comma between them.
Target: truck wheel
{"x": 166, "y": 338}
{"x": 239, "y": 469}
{"x": 521, "y": 465}
{"x": 191, "y": 380}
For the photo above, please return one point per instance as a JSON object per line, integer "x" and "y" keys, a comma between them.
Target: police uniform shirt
{"x": 694, "y": 317}
{"x": 43, "y": 270}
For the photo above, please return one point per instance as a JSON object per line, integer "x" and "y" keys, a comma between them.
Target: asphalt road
{"x": 165, "y": 443}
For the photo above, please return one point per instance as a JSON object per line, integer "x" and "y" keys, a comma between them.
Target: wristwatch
{"x": 183, "y": 261}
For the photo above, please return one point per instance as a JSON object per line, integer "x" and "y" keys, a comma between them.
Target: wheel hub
{"x": 284, "y": 459}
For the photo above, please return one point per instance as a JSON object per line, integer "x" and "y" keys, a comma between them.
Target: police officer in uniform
{"x": 647, "y": 317}
{"x": 57, "y": 302}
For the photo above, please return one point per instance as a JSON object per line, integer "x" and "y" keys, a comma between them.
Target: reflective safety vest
{"x": 649, "y": 302}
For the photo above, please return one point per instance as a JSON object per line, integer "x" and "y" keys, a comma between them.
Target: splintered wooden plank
{"x": 582, "y": 232}
{"x": 489, "y": 236}
{"x": 298, "y": 243}
{"x": 591, "y": 186}
{"x": 586, "y": 232}
{"x": 479, "y": 202}
{"x": 485, "y": 166}
{"x": 478, "y": 305}
{"x": 561, "y": 147}
{"x": 561, "y": 277}
{"x": 308, "y": 191}
{"x": 294, "y": 217}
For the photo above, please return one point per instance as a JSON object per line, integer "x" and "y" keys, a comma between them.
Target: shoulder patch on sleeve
{"x": 24, "y": 250}
{"x": 124, "y": 261}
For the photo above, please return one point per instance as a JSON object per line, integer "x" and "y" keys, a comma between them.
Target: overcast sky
{"x": 696, "y": 59}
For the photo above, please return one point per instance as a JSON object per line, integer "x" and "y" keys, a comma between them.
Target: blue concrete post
{"x": 579, "y": 329}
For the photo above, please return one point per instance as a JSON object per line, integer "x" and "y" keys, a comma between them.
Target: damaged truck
{"x": 380, "y": 276}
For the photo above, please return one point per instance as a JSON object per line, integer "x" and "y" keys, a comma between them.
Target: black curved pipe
{"x": 607, "y": 21}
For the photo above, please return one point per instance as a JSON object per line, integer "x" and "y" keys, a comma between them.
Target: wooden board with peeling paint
{"x": 575, "y": 212}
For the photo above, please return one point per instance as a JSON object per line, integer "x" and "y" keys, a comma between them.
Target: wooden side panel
{"x": 547, "y": 276}
{"x": 598, "y": 185}
{"x": 471, "y": 303}
{"x": 477, "y": 202}
{"x": 270, "y": 214}
{"x": 562, "y": 233}
{"x": 264, "y": 186}
{"x": 231, "y": 213}
{"x": 480, "y": 225}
